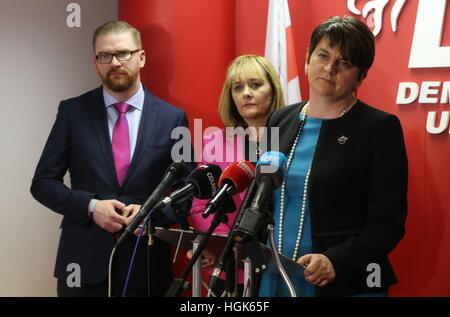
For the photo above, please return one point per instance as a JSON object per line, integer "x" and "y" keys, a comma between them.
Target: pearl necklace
{"x": 283, "y": 192}
{"x": 304, "y": 114}
{"x": 346, "y": 109}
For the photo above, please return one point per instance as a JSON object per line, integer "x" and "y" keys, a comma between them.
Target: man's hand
{"x": 107, "y": 215}
{"x": 130, "y": 212}
{"x": 319, "y": 270}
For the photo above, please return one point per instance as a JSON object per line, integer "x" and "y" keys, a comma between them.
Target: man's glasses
{"x": 105, "y": 58}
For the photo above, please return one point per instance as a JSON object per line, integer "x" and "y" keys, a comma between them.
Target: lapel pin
{"x": 342, "y": 139}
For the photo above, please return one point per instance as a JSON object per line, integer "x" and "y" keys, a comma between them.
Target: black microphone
{"x": 173, "y": 173}
{"x": 234, "y": 179}
{"x": 270, "y": 170}
{"x": 202, "y": 183}
{"x": 269, "y": 175}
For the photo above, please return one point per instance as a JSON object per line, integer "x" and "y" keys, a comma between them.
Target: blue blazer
{"x": 79, "y": 142}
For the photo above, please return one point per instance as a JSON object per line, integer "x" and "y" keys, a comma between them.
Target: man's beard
{"x": 118, "y": 84}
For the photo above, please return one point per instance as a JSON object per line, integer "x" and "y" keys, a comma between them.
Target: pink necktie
{"x": 121, "y": 142}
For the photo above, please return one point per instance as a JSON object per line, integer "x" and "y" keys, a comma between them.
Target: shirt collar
{"x": 136, "y": 101}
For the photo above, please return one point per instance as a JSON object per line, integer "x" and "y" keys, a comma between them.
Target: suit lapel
{"x": 288, "y": 125}
{"x": 145, "y": 133}
{"x": 288, "y": 133}
{"x": 100, "y": 126}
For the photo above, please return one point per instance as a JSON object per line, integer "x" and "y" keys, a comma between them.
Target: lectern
{"x": 246, "y": 255}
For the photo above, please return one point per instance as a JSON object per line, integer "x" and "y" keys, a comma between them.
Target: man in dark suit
{"x": 115, "y": 141}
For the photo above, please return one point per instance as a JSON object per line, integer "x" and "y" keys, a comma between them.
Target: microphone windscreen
{"x": 240, "y": 173}
{"x": 205, "y": 179}
{"x": 271, "y": 164}
{"x": 177, "y": 169}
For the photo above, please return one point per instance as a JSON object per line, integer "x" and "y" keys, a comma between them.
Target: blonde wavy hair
{"x": 227, "y": 108}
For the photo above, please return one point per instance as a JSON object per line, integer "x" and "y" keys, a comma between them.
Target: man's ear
{"x": 142, "y": 58}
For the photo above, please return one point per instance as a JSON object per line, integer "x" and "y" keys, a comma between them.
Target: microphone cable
{"x": 111, "y": 258}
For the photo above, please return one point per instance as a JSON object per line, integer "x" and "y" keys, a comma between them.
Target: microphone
{"x": 234, "y": 179}
{"x": 202, "y": 183}
{"x": 173, "y": 173}
{"x": 270, "y": 170}
{"x": 269, "y": 175}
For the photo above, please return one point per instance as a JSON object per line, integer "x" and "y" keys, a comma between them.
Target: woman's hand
{"x": 208, "y": 259}
{"x": 319, "y": 270}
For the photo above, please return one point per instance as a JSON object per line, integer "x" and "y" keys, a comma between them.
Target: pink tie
{"x": 121, "y": 142}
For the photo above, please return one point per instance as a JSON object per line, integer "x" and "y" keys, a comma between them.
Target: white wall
{"x": 42, "y": 61}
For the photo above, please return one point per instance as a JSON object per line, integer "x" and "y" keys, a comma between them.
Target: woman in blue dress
{"x": 342, "y": 206}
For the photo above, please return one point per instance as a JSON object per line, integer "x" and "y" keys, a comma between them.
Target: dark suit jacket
{"x": 357, "y": 192}
{"x": 80, "y": 143}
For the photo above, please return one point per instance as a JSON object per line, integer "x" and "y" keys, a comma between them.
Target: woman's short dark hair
{"x": 354, "y": 39}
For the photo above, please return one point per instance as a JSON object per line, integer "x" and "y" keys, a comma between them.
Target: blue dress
{"x": 272, "y": 284}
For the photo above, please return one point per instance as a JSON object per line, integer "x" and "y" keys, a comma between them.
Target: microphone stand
{"x": 177, "y": 283}
{"x": 110, "y": 268}
{"x": 229, "y": 243}
{"x": 180, "y": 215}
{"x": 245, "y": 228}
{"x": 230, "y": 281}
{"x": 151, "y": 242}
{"x": 153, "y": 212}
{"x": 279, "y": 265}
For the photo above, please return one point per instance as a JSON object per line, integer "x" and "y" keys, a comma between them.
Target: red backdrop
{"x": 189, "y": 44}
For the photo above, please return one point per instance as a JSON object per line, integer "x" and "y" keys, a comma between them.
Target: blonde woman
{"x": 250, "y": 93}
